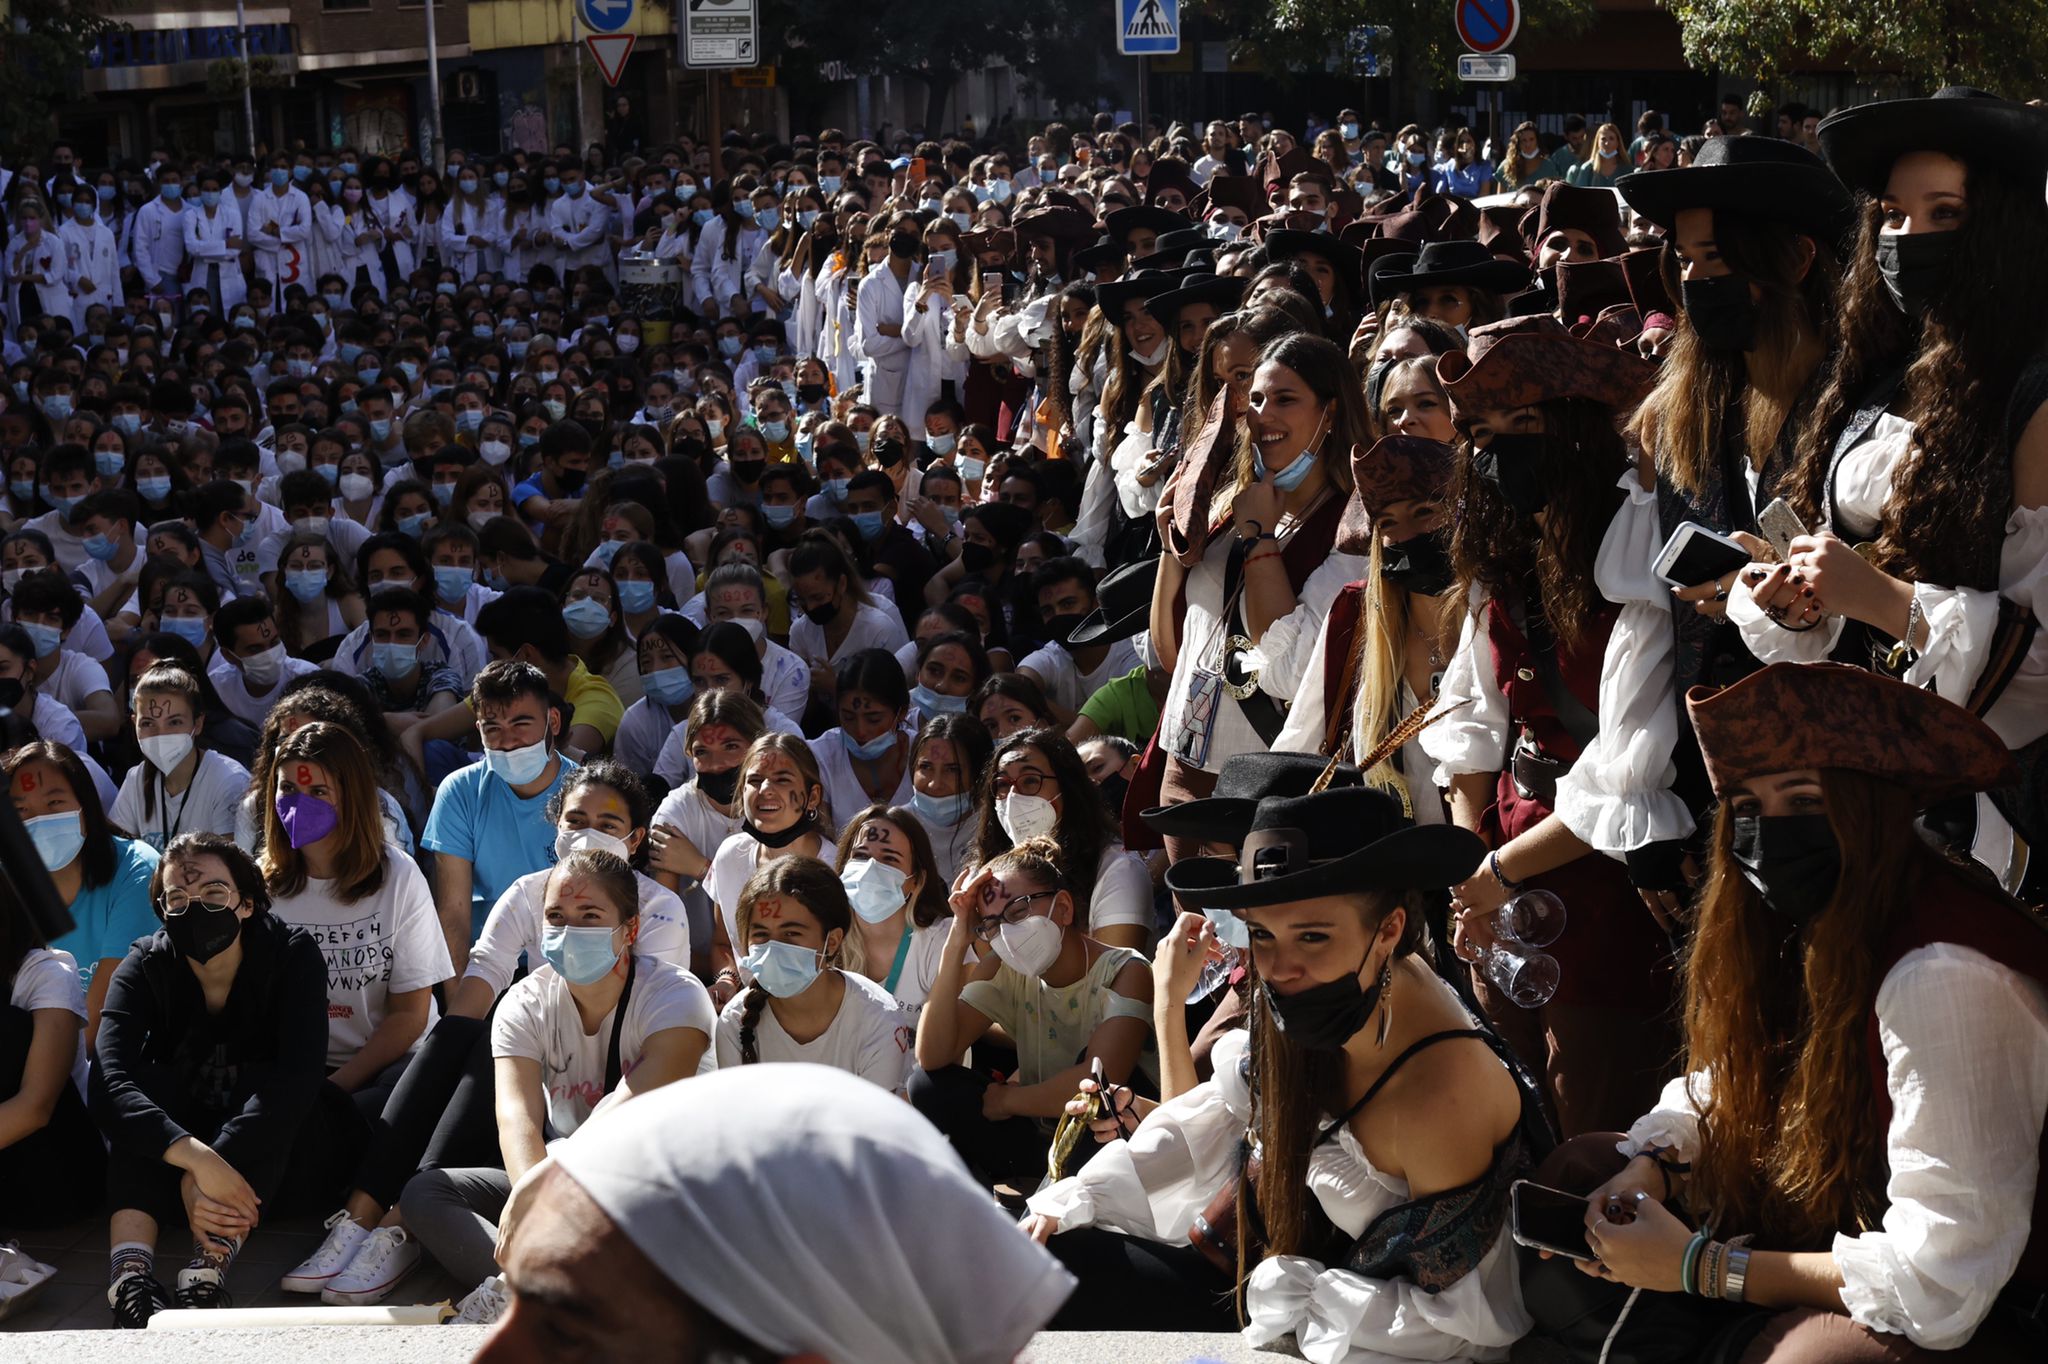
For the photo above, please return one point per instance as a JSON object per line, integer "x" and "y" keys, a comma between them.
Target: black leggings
{"x": 57, "y": 1173}
{"x": 999, "y": 1151}
{"x": 441, "y": 1116}
{"x": 1131, "y": 1284}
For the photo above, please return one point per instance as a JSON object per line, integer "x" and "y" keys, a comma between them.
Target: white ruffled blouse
{"x": 1156, "y": 1183}
{"x": 1966, "y": 1065}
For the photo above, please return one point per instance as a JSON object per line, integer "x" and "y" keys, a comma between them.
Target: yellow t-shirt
{"x": 595, "y": 703}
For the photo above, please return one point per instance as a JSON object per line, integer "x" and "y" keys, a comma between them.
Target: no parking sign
{"x": 1488, "y": 25}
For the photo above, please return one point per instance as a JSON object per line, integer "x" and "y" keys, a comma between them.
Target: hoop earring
{"x": 1386, "y": 984}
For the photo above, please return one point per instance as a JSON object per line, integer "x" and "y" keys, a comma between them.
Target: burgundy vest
{"x": 1950, "y": 910}
{"x": 1340, "y": 645}
{"x": 1530, "y": 711}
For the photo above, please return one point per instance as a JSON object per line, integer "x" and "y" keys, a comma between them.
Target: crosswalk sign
{"x": 1148, "y": 28}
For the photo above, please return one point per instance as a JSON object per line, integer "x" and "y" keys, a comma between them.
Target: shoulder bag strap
{"x": 613, "y": 1070}
{"x": 1260, "y": 711}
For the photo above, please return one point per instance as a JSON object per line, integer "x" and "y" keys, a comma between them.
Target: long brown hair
{"x": 1680, "y": 422}
{"x": 1503, "y": 553}
{"x": 359, "y": 864}
{"x": 1788, "y": 1148}
{"x": 1944, "y": 521}
{"x": 1322, "y": 365}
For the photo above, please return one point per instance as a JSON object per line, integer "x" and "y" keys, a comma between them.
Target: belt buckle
{"x": 1237, "y": 679}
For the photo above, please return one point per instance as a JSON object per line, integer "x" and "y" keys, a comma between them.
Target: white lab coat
{"x": 582, "y": 227}
{"x": 159, "y": 247}
{"x": 933, "y": 356}
{"x": 395, "y": 212}
{"x": 520, "y": 257}
{"x": 206, "y": 242}
{"x": 881, "y": 303}
{"x": 349, "y": 222}
{"x": 459, "y": 222}
{"x": 282, "y": 259}
{"x": 50, "y": 257}
{"x": 95, "y": 256}
{"x": 716, "y": 278}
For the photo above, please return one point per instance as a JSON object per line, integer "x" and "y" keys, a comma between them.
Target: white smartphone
{"x": 1695, "y": 555}
{"x": 1781, "y": 526}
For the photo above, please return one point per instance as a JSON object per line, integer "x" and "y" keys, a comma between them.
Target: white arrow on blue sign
{"x": 1148, "y": 28}
{"x": 605, "y": 16}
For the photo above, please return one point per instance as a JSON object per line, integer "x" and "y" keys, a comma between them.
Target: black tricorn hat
{"x": 1765, "y": 177}
{"x": 1123, "y": 605}
{"x": 1246, "y": 779}
{"x": 1861, "y": 143}
{"x": 1333, "y": 842}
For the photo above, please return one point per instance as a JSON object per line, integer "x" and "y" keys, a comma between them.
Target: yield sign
{"x": 611, "y": 51}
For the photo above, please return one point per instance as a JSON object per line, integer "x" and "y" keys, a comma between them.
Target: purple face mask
{"x": 306, "y": 819}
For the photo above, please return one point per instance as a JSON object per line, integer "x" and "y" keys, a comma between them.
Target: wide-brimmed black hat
{"x": 1287, "y": 243}
{"x": 1123, "y": 605}
{"x": 1221, "y": 292}
{"x": 1861, "y": 143}
{"x": 1246, "y": 779}
{"x": 1463, "y": 262}
{"x": 1383, "y": 268}
{"x": 1172, "y": 249}
{"x": 1106, "y": 251}
{"x": 1766, "y": 177}
{"x": 1112, "y": 297}
{"x": 1332, "y": 843}
{"x": 1126, "y": 220}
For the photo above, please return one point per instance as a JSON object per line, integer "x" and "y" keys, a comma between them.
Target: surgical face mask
{"x": 579, "y": 955}
{"x": 590, "y": 840}
{"x": 1793, "y": 861}
{"x": 554, "y": 408}
{"x": 356, "y": 487}
{"x": 1029, "y": 948}
{"x": 943, "y": 811}
{"x": 775, "y": 433}
{"x": 101, "y": 548}
{"x": 306, "y": 584}
{"x": 493, "y": 452}
{"x": 415, "y": 525}
{"x": 1512, "y": 463}
{"x": 875, "y": 888}
{"x": 517, "y": 766}
{"x": 1349, "y": 132}
{"x": 783, "y": 969}
{"x": 729, "y": 347}
{"x": 1291, "y": 477}
{"x": 635, "y": 596}
{"x": 869, "y": 524}
{"x": 941, "y": 445}
{"x": 244, "y": 179}
{"x": 57, "y": 837}
{"x": 394, "y": 660}
{"x": 587, "y": 617}
{"x": 57, "y": 406}
{"x": 109, "y": 463}
{"x": 45, "y": 639}
{"x": 1025, "y": 816}
{"x": 444, "y": 493}
{"x": 835, "y": 488}
{"x": 929, "y": 702}
{"x": 1916, "y": 267}
{"x": 829, "y": 184}
{"x": 165, "y": 751}
{"x": 264, "y": 669}
{"x": 1722, "y": 312}
{"x": 189, "y": 628}
{"x": 1154, "y": 357}
{"x": 668, "y": 686}
{"x": 871, "y": 750}
{"x": 380, "y": 429}
{"x": 768, "y": 219}
{"x": 1000, "y": 191}
{"x": 127, "y": 423}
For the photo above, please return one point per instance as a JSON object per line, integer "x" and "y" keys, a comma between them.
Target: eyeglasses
{"x": 215, "y": 897}
{"x": 1028, "y": 782}
{"x": 1015, "y": 910}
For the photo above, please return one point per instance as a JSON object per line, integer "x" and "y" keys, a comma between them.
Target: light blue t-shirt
{"x": 108, "y": 919}
{"x": 477, "y": 816}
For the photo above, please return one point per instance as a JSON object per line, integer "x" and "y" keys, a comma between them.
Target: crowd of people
{"x": 1275, "y": 692}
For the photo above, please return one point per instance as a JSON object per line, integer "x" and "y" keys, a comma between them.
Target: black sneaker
{"x": 202, "y": 1284}
{"x": 136, "y": 1297}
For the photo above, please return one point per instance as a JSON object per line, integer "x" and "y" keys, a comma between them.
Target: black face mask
{"x": 1722, "y": 313}
{"x": 570, "y": 479}
{"x": 1059, "y": 627}
{"x": 748, "y": 471}
{"x": 200, "y": 934}
{"x": 810, "y": 393}
{"x": 888, "y": 453}
{"x": 689, "y": 447}
{"x": 1794, "y": 861}
{"x": 822, "y": 615}
{"x": 903, "y": 245}
{"x": 1422, "y": 565}
{"x": 1510, "y": 463}
{"x": 719, "y": 785}
{"x": 1916, "y": 266}
{"x": 1324, "y": 1017}
{"x": 781, "y": 840}
{"x": 976, "y": 558}
{"x": 1114, "y": 789}
{"x": 11, "y": 692}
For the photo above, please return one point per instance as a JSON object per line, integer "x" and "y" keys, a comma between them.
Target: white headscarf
{"x": 808, "y": 1210}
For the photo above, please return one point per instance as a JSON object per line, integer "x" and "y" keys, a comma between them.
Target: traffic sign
{"x": 721, "y": 33}
{"x": 1496, "y": 67}
{"x": 1489, "y": 25}
{"x": 1148, "y": 28}
{"x": 605, "y": 16}
{"x": 611, "y": 51}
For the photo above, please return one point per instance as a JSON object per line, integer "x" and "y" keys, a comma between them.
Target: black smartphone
{"x": 1550, "y": 1219}
{"x": 1695, "y": 555}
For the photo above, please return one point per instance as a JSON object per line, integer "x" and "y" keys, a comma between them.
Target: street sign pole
{"x": 248, "y": 77}
{"x": 437, "y": 155}
{"x": 576, "y": 54}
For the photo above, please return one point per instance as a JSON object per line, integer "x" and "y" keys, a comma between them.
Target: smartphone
{"x": 1549, "y": 1219}
{"x": 1781, "y": 525}
{"x": 917, "y": 170}
{"x": 1082, "y": 154}
{"x": 1695, "y": 555}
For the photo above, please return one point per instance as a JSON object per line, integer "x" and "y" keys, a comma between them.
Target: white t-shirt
{"x": 1065, "y": 684}
{"x": 227, "y": 680}
{"x": 1123, "y": 891}
{"x": 74, "y": 679}
{"x": 673, "y": 763}
{"x": 707, "y": 827}
{"x": 538, "y": 1021}
{"x": 211, "y": 804}
{"x": 383, "y": 944}
{"x": 50, "y": 980}
{"x": 844, "y": 794}
{"x": 871, "y": 1036}
{"x": 516, "y": 921}
{"x": 874, "y": 627}
{"x": 785, "y": 679}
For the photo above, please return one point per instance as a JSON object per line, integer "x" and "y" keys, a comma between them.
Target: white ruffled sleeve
{"x": 1966, "y": 1065}
{"x": 1473, "y": 735}
{"x": 1772, "y": 642}
{"x": 1674, "y": 1124}
{"x": 1617, "y": 796}
{"x": 1290, "y": 640}
{"x": 2020, "y": 714}
{"x": 1339, "y": 1317}
{"x": 1155, "y": 1183}
{"x": 1308, "y": 716}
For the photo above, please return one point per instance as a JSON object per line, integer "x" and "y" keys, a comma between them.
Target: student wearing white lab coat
{"x": 929, "y": 330}
{"x": 581, "y": 224}
{"x": 393, "y": 210}
{"x": 518, "y": 225}
{"x": 359, "y": 237}
{"x": 466, "y": 226}
{"x": 37, "y": 259}
{"x": 159, "y": 241}
{"x": 880, "y": 313}
{"x": 279, "y": 225}
{"x": 95, "y": 259}
{"x": 213, "y": 241}
{"x": 719, "y": 273}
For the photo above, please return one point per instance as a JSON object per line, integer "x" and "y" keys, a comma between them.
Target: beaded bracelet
{"x": 1689, "y": 1265}
{"x": 1710, "y": 1269}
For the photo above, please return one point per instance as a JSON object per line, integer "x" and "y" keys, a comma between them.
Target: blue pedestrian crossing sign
{"x": 1148, "y": 28}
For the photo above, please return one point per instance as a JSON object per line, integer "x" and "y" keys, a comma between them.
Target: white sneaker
{"x": 387, "y": 1255}
{"x": 345, "y": 1236}
{"x": 484, "y": 1305}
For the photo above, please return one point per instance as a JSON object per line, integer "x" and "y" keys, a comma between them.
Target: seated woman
{"x": 1858, "y": 1134}
{"x": 209, "y": 1063}
{"x": 807, "y": 1000}
{"x": 696, "y": 818}
{"x": 178, "y": 787}
{"x": 1063, "y": 997}
{"x": 662, "y": 653}
{"x": 53, "y": 1162}
{"x": 345, "y": 705}
{"x": 319, "y": 603}
{"x": 946, "y": 763}
{"x": 783, "y": 813}
{"x": 865, "y": 758}
{"x": 1010, "y": 703}
{"x": 407, "y": 687}
{"x": 885, "y": 863}
{"x": 596, "y": 1023}
{"x": 1036, "y": 786}
{"x": 1379, "y": 1110}
{"x": 724, "y": 660}
{"x": 950, "y": 668}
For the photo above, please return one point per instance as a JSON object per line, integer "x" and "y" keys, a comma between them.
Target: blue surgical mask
{"x": 280, "y": 177}
{"x": 154, "y": 489}
{"x": 192, "y": 628}
{"x": 668, "y": 686}
{"x": 829, "y": 184}
{"x": 58, "y": 837}
{"x": 209, "y": 198}
{"x": 783, "y": 969}
{"x": 575, "y": 189}
{"x": 587, "y": 617}
{"x": 869, "y": 524}
{"x": 744, "y": 211}
{"x": 835, "y": 488}
{"x": 775, "y": 433}
{"x": 452, "y": 583}
{"x": 779, "y": 518}
{"x": 307, "y": 584}
{"x": 56, "y": 406}
{"x": 173, "y": 193}
{"x": 62, "y": 504}
{"x": 636, "y": 595}
{"x": 127, "y": 423}
{"x": 941, "y": 445}
{"x": 729, "y": 346}
{"x": 932, "y": 703}
{"x": 768, "y": 219}
{"x": 805, "y": 217}
{"x": 416, "y": 524}
{"x": 101, "y": 548}
{"x": 444, "y": 493}
{"x": 702, "y": 216}
{"x": 942, "y": 811}
{"x": 517, "y": 766}
{"x": 302, "y": 173}
{"x": 394, "y": 660}
{"x": 380, "y": 429}
{"x": 109, "y": 463}
{"x": 580, "y": 955}
{"x": 764, "y": 355}
{"x": 44, "y": 638}
{"x": 875, "y": 888}
{"x": 501, "y": 178}
{"x": 552, "y": 184}
{"x": 23, "y": 490}
{"x": 873, "y": 748}
{"x": 999, "y": 190}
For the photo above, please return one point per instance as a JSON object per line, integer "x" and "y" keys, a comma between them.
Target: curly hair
{"x": 1945, "y": 519}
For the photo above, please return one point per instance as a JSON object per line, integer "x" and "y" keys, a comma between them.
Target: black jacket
{"x": 255, "y": 1067}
